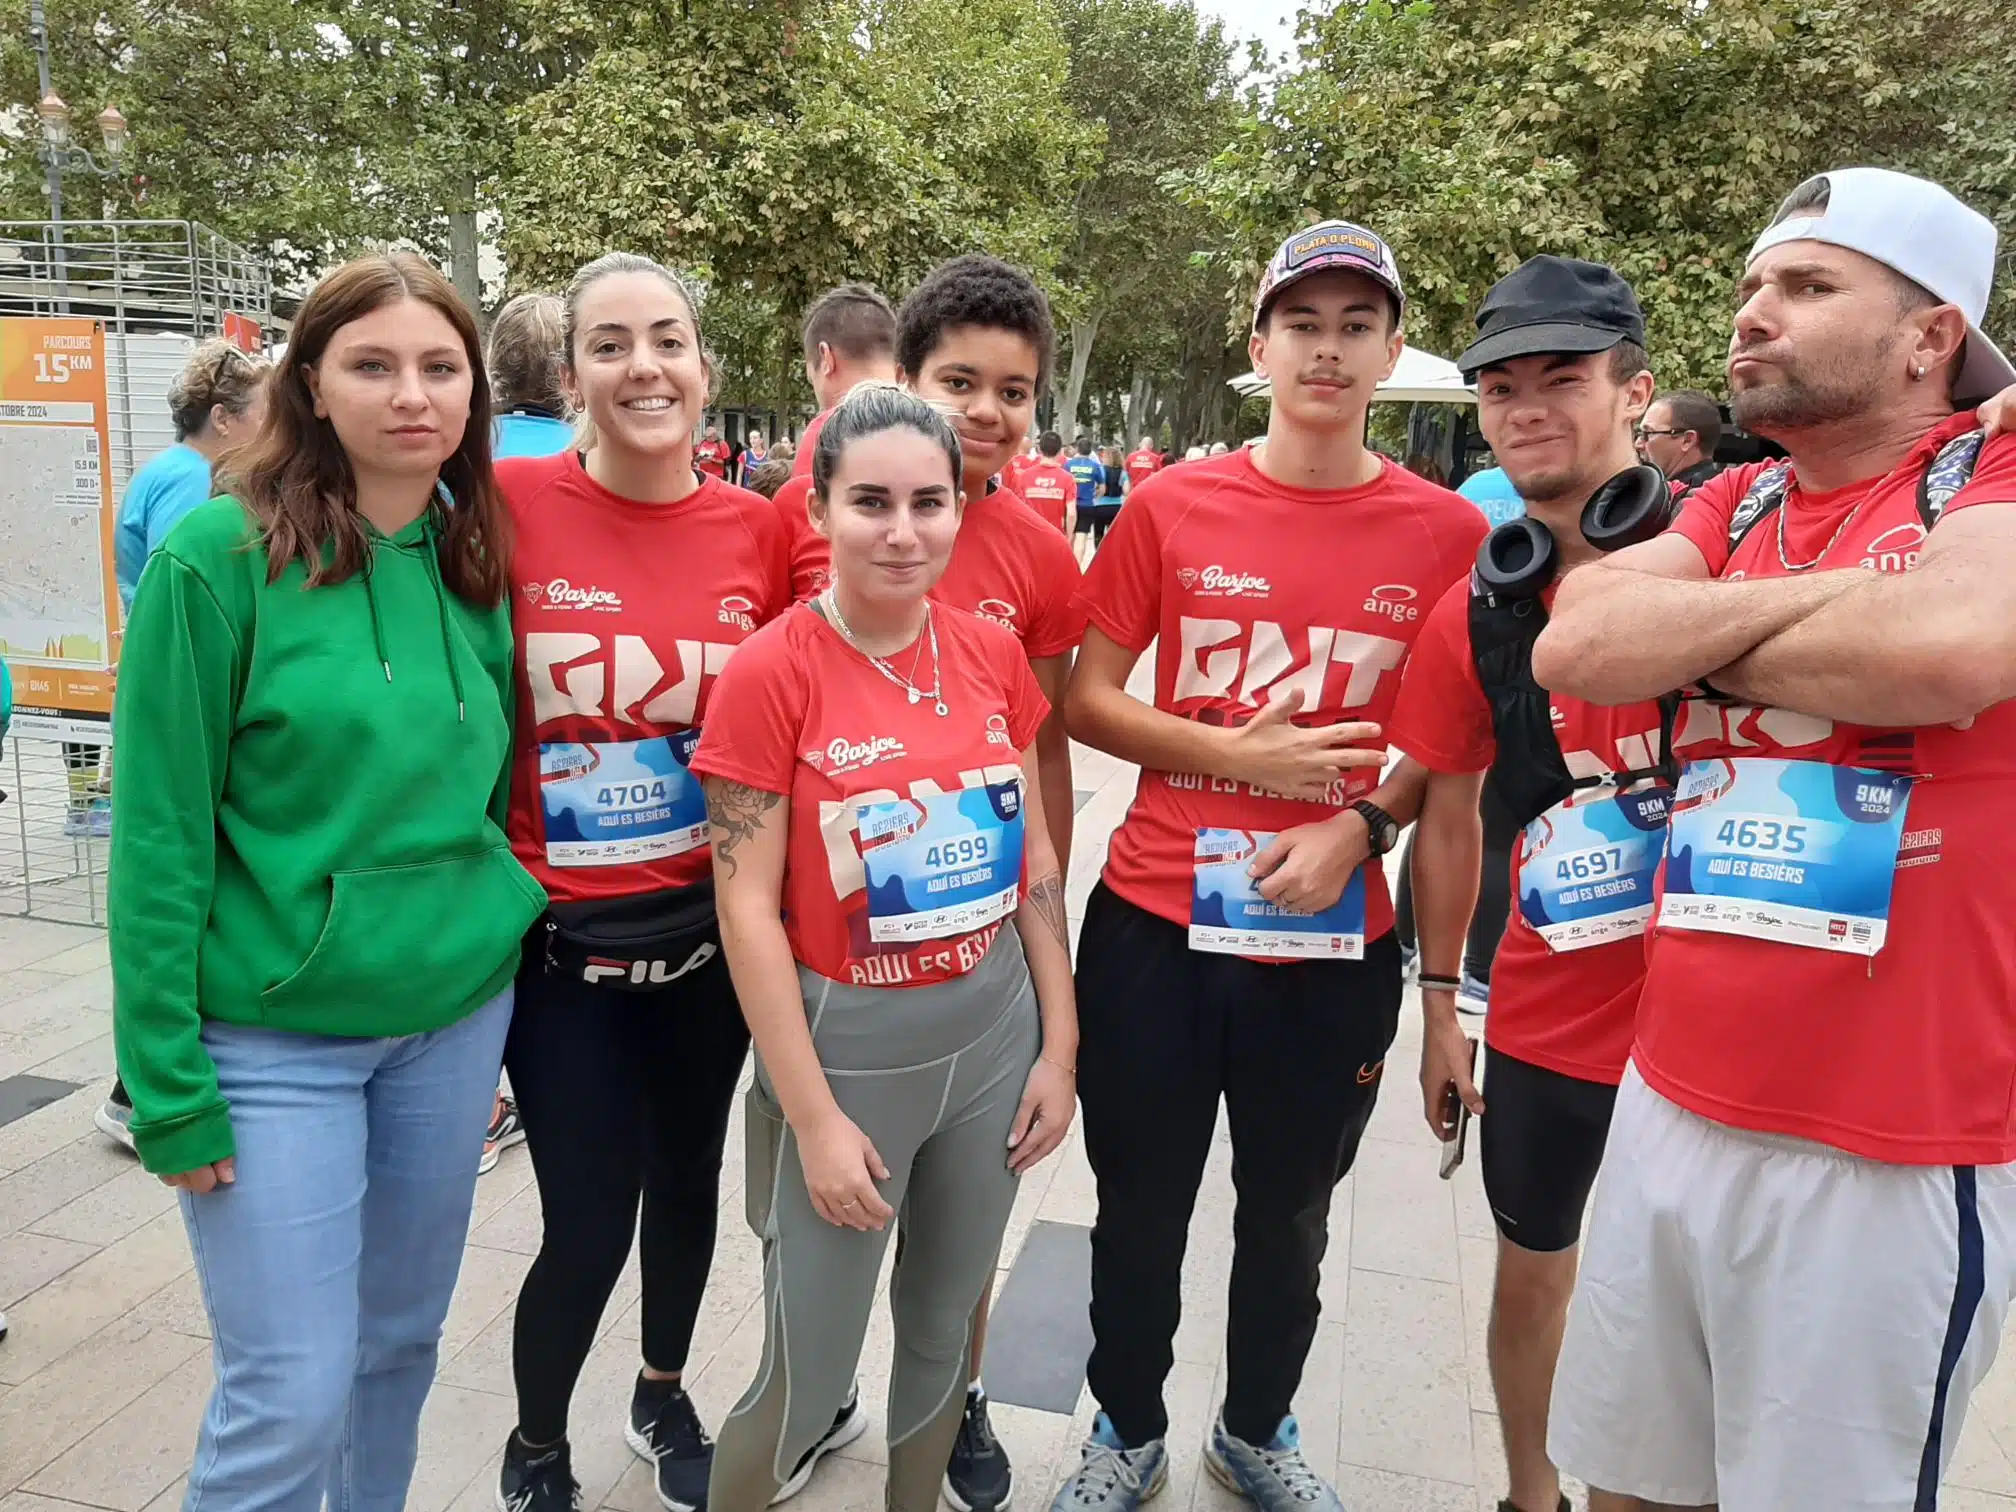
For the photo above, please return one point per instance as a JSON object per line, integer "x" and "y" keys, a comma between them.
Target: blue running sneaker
{"x": 1274, "y": 1477}
{"x": 1111, "y": 1477}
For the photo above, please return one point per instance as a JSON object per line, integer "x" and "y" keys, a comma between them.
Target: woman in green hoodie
{"x": 314, "y": 912}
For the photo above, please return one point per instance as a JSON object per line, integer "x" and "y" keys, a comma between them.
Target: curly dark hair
{"x": 975, "y": 290}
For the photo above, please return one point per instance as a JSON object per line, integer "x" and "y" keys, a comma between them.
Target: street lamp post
{"x": 59, "y": 154}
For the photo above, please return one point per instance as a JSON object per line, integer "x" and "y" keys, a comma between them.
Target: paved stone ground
{"x": 105, "y": 1373}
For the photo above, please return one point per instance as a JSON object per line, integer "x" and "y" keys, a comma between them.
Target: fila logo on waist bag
{"x": 644, "y": 973}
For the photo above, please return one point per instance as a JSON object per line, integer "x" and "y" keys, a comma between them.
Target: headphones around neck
{"x": 1518, "y": 559}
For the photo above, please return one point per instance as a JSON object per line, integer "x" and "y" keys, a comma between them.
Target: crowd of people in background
{"x": 488, "y": 709}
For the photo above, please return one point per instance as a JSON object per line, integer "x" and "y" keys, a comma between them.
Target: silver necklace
{"x": 936, "y": 692}
{"x": 1784, "y": 508}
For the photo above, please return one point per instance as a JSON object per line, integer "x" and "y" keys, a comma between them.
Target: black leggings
{"x": 624, "y": 1095}
{"x": 1494, "y": 892}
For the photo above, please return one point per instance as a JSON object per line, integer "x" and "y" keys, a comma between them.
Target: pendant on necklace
{"x": 915, "y": 695}
{"x": 942, "y": 710}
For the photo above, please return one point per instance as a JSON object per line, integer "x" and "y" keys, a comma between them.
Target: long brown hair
{"x": 296, "y": 480}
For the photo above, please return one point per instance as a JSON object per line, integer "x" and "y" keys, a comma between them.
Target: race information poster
{"x": 58, "y": 594}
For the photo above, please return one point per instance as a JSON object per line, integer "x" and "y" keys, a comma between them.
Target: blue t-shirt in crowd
{"x": 1089, "y": 472}
{"x": 171, "y": 484}
{"x": 1493, "y": 493}
{"x": 524, "y": 433}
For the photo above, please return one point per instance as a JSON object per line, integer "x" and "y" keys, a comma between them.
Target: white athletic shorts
{"x": 1772, "y": 1325}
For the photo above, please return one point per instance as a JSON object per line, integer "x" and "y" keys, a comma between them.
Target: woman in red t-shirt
{"x": 634, "y": 578}
{"x": 872, "y": 785}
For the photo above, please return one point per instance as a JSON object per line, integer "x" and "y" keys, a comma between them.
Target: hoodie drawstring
{"x": 441, "y": 610}
{"x": 377, "y": 625}
{"x": 447, "y": 644}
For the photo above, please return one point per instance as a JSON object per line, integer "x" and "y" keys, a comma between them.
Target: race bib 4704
{"x": 1798, "y": 852}
{"x": 1229, "y": 917}
{"x": 612, "y": 803}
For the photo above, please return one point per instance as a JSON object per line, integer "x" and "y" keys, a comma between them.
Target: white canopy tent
{"x": 1420, "y": 377}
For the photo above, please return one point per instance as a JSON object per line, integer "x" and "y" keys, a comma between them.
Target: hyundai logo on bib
{"x": 561, "y": 594}
{"x": 1896, "y": 550}
{"x": 739, "y": 612}
{"x": 846, "y": 755}
{"x": 1395, "y": 601}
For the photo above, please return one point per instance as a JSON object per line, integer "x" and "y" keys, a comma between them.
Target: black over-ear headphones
{"x": 1518, "y": 559}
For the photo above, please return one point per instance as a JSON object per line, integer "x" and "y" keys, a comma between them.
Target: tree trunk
{"x": 1137, "y": 407}
{"x": 1083, "y": 334}
{"x": 463, "y": 255}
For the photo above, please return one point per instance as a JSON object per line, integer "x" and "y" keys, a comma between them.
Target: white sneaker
{"x": 115, "y": 1122}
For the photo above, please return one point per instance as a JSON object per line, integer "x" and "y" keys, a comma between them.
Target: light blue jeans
{"x": 328, "y": 1266}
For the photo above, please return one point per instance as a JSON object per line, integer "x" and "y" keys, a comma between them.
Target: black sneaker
{"x": 664, "y": 1428}
{"x": 849, "y": 1423}
{"x": 978, "y": 1478}
{"x": 537, "y": 1481}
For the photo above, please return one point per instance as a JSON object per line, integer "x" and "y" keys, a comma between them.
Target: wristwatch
{"x": 1381, "y": 827}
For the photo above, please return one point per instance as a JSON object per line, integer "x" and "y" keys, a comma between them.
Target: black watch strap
{"x": 1381, "y": 826}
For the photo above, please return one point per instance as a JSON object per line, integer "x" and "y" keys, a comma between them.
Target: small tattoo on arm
{"x": 1046, "y": 897}
{"x": 736, "y": 811}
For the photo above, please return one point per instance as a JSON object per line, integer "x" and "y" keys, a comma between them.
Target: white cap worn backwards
{"x": 1922, "y": 231}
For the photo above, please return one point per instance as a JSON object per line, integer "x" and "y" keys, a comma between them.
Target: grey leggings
{"x": 933, "y": 1076}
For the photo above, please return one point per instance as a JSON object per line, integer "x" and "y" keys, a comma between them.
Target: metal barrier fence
{"x": 55, "y": 831}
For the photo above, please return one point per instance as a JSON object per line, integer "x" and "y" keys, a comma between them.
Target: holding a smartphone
{"x": 1455, "y": 1130}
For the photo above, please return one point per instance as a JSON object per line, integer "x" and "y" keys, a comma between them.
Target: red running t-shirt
{"x": 624, "y": 614}
{"x": 1012, "y": 568}
{"x": 1141, "y": 466}
{"x": 1049, "y": 490}
{"x": 801, "y": 460}
{"x": 811, "y": 557}
{"x": 804, "y": 714}
{"x": 1008, "y": 566}
{"x": 711, "y": 458}
{"x": 1571, "y": 1011}
{"x": 1250, "y": 588}
{"x": 1910, "y": 1055}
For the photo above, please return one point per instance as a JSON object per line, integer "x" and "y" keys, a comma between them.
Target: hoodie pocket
{"x": 408, "y": 942}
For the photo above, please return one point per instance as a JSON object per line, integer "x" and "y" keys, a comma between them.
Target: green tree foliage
{"x": 304, "y": 128}
{"x": 778, "y": 149}
{"x": 1656, "y": 135}
{"x": 1158, "y": 80}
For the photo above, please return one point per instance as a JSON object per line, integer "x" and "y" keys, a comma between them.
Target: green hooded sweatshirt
{"x": 309, "y": 827}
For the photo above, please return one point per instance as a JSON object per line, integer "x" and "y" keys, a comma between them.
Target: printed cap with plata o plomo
{"x": 1553, "y": 306}
{"x": 1324, "y": 246}
{"x": 1919, "y": 229}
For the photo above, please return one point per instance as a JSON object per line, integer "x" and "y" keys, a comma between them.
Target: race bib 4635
{"x": 1794, "y": 851}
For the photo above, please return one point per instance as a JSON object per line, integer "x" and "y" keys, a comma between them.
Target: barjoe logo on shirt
{"x": 1223, "y": 582}
{"x": 561, "y": 594}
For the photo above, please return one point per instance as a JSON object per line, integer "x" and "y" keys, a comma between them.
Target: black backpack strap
{"x": 1528, "y": 776}
{"x": 1946, "y": 474}
{"x": 1767, "y": 493}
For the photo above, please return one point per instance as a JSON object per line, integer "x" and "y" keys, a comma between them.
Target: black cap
{"x": 1551, "y": 306}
